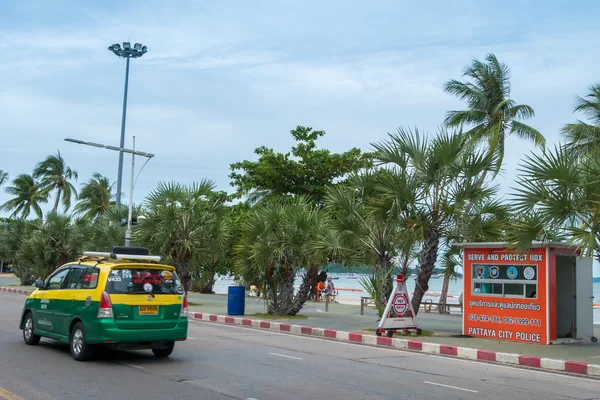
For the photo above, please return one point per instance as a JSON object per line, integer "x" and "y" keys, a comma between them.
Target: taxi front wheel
{"x": 80, "y": 350}
{"x": 29, "y": 337}
{"x": 166, "y": 352}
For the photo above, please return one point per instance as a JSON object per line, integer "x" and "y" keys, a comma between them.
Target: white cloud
{"x": 220, "y": 80}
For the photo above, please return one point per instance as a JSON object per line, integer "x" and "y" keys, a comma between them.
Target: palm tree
{"x": 491, "y": 113}
{"x": 28, "y": 197}
{"x": 177, "y": 221}
{"x": 367, "y": 229}
{"x": 95, "y": 197}
{"x": 54, "y": 173}
{"x": 583, "y": 138}
{"x": 3, "y": 177}
{"x": 485, "y": 221}
{"x": 278, "y": 239}
{"x": 558, "y": 198}
{"x": 430, "y": 183}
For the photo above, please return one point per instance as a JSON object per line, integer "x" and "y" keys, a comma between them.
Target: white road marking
{"x": 135, "y": 366}
{"x": 451, "y": 387}
{"x": 406, "y": 352}
{"x": 193, "y": 338}
{"x": 283, "y": 355}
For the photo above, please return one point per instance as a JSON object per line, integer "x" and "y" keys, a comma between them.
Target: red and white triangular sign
{"x": 399, "y": 313}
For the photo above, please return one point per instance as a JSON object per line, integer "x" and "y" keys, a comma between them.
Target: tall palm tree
{"x": 95, "y": 196}
{"x": 491, "y": 113}
{"x": 3, "y": 177}
{"x": 54, "y": 174}
{"x": 430, "y": 183}
{"x": 583, "y": 138}
{"x": 27, "y": 197}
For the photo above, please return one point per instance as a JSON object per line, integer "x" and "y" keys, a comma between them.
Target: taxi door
{"x": 41, "y": 313}
{"x": 55, "y": 301}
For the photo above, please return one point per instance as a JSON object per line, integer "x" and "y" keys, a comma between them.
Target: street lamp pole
{"x": 122, "y": 143}
{"x": 129, "y": 215}
{"x": 127, "y": 52}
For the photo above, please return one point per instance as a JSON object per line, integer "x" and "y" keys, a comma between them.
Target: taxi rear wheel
{"x": 166, "y": 352}
{"x": 80, "y": 350}
{"x": 29, "y": 337}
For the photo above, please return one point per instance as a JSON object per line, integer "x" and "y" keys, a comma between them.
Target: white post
{"x": 129, "y": 216}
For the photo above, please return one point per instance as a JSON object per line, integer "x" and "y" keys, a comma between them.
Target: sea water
{"x": 353, "y": 290}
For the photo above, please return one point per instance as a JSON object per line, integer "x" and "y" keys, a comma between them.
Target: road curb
{"x": 574, "y": 367}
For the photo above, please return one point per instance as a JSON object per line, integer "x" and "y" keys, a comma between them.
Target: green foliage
{"x": 583, "y": 139}
{"x": 277, "y": 241}
{"x": 305, "y": 170}
{"x": 430, "y": 184}
{"x": 27, "y": 197}
{"x": 491, "y": 113}
{"x": 186, "y": 224}
{"x": 378, "y": 287}
{"x": 36, "y": 248}
{"x": 95, "y": 197}
{"x": 558, "y": 198}
{"x": 3, "y": 177}
{"x": 54, "y": 174}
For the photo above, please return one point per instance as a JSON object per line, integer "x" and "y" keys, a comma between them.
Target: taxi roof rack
{"x": 124, "y": 253}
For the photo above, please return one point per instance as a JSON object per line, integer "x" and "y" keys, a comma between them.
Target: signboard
{"x": 394, "y": 315}
{"x": 505, "y": 295}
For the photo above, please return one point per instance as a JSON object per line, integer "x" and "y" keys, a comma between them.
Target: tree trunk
{"x": 207, "y": 280}
{"x": 183, "y": 271}
{"x": 309, "y": 281}
{"x": 444, "y": 294}
{"x": 427, "y": 262}
{"x": 58, "y": 192}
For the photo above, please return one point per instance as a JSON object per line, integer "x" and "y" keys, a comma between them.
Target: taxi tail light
{"x": 184, "y": 307}
{"x": 105, "y": 310}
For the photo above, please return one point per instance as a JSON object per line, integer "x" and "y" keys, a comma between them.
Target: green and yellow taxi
{"x": 122, "y": 300}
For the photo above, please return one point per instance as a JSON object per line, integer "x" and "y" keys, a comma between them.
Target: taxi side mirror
{"x": 39, "y": 284}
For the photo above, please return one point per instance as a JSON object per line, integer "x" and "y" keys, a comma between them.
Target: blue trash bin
{"x": 236, "y": 300}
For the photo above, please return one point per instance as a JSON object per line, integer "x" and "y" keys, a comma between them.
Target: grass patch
{"x": 424, "y": 332}
{"x": 272, "y": 316}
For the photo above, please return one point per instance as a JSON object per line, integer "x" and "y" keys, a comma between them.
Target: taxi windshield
{"x": 142, "y": 280}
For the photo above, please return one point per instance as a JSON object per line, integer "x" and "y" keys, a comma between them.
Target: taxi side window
{"x": 75, "y": 278}
{"x": 90, "y": 278}
{"x": 56, "y": 281}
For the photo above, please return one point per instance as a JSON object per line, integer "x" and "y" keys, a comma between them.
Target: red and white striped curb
{"x": 16, "y": 291}
{"x": 575, "y": 367}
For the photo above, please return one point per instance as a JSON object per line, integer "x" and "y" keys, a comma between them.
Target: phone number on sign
{"x": 505, "y": 320}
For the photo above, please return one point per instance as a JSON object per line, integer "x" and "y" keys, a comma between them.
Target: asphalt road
{"x": 226, "y": 362}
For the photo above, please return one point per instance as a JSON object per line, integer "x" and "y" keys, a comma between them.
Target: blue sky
{"x": 224, "y": 77}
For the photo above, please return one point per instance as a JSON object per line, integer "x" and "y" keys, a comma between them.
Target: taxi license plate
{"x": 148, "y": 310}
